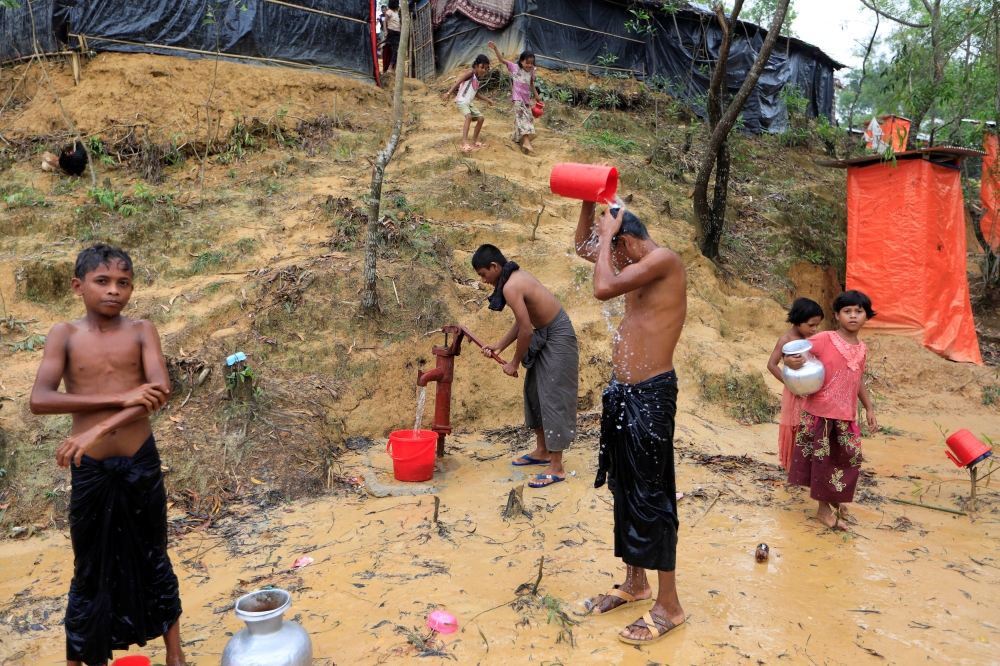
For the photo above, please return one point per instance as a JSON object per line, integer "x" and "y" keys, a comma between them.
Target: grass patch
{"x": 45, "y": 281}
{"x": 991, "y": 394}
{"x": 26, "y": 197}
{"x": 478, "y": 190}
{"x": 609, "y": 141}
{"x": 746, "y": 396}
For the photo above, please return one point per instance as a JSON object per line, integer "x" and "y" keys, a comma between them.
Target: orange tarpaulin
{"x": 989, "y": 193}
{"x": 895, "y": 132}
{"x": 906, "y": 250}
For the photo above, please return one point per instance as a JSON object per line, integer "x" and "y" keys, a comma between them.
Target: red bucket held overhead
{"x": 412, "y": 453}
{"x": 967, "y": 449}
{"x": 588, "y": 182}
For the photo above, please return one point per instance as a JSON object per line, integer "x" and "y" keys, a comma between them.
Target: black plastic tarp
{"x": 16, "y": 34}
{"x": 677, "y": 56}
{"x": 683, "y": 49}
{"x": 329, "y": 34}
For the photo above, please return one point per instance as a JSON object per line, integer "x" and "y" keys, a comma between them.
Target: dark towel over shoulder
{"x": 637, "y": 459}
{"x": 124, "y": 591}
{"x": 497, "y": 300}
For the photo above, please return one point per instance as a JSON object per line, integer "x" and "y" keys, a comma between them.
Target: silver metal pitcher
{"x": 268, "y": 640}
{"x": 810, "y": 377}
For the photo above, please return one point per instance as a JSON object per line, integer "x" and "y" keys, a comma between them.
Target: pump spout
{"x": 424, "y": 378}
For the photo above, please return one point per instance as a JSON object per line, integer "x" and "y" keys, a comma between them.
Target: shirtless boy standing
{"x": 124, "y": 590}
{"x": 637, "y": 425}
{"x": 546, "y": 346}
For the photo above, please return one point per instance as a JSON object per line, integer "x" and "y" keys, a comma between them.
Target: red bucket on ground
{"x": 588, "y": 182}
{"x": 412, "y": 453}
{"x": 132, "y": 661}
{"x": 967, "y": 449}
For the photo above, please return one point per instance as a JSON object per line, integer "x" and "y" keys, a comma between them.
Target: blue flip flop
{"x": 528, "y": 460}
{"x": 545, "y": 477}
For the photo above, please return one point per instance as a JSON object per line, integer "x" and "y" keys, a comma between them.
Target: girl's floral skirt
{"x": 524, "y": 122}
{"x": 826, "y": 458}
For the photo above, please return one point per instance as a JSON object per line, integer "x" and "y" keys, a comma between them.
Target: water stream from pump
{"x": 420, "y": 409}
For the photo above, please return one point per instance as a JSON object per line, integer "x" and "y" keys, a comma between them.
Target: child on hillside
{"x": 468, "y": 92}
{"x": 522, "y": 90}
{"x": 805, "y": 317}
{"x": 124, "y": 590}
{"x": 827, "y": 453}
{"x": 546, "y": 347}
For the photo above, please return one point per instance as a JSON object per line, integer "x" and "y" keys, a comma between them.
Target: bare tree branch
{"x": 871, "y": 5}
{"x": 861, "y": 82}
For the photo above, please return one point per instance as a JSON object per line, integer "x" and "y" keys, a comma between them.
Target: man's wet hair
{"x": 487, "y": 255}
{"x": 481, "y": 59}
{"x": 853, "y": 297}
{"x": 394, "y": 5}
{"x": 631, "y": 226}
{"x": 802, "y": 310}
{"x": 98, "y": 255}
{"x": 524, "y": 56}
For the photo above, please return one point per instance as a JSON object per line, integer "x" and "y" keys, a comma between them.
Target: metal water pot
{"x": 268, "y": 640}
{"x": 810, "y": 377}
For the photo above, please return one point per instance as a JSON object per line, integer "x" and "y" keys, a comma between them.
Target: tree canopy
{"x": 934, "y": 62}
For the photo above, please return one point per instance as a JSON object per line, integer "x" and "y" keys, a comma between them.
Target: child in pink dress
{"x": 805, "y": 317}
{"x": 827, "y": 453}
{"x": 522, "y": 89}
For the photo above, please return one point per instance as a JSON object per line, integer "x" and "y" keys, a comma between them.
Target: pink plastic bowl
{"x": 442, "y": 622}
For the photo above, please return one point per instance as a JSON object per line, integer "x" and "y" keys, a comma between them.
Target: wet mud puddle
{"x": 913, "y": 585}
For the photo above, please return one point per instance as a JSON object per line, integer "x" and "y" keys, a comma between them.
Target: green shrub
{"x": 746, "y": 396}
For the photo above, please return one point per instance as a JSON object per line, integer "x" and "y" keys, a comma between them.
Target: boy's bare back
{"x": 541, "y": 305}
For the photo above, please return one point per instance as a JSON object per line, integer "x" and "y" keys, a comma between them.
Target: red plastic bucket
{"x": 131, "y": 661}
{"x": 589, "y": 182}
{"x": 968, "y": 450}
{"x": 412, "y": 453}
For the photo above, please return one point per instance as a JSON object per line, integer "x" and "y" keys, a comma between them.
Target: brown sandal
{"x": 626, "y": 600}
{"x": 650, "y": 621}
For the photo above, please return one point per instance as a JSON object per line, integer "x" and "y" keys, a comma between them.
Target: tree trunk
{"x": 711, "y": 219}
{"x": 370, "y": 298}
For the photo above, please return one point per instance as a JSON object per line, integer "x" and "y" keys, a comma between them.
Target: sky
{"x": 836, "y": 26}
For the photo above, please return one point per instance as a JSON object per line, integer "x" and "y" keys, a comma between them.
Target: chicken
{"x": 50, "y": 162}
{"x": 73, "y": 159}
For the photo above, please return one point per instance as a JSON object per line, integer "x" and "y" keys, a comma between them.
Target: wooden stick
{"x": 718, "y": 495}
{"x": 541, "y": 561}
{"x": 930, "y": 506}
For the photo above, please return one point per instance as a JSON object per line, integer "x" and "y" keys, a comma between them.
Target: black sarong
{"x": 637, "y": 459}
{"x": 124, "y": 591}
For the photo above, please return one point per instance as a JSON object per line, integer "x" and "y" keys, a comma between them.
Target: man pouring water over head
{"x": 637, "y": 426}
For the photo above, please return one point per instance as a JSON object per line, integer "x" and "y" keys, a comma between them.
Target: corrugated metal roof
{"x": 928, "y": 153}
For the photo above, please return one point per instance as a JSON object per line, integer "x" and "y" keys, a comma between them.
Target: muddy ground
{"x": 265, "y": 258}
{"x": 907, "y": 585}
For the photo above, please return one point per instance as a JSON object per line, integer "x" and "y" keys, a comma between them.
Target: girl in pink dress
{"x": 522, "y": 90}
{"x": 805, "y": 317}
{"x": 827, "y": 457}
